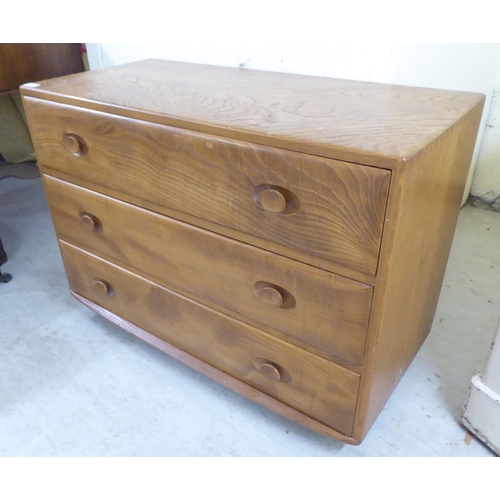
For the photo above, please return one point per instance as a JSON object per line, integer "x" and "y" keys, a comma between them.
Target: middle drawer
{"x": 316, "y": 308}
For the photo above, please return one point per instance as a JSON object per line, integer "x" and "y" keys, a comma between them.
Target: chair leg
{"x": 4, "y": 277}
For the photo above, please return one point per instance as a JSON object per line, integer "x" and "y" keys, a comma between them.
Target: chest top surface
{"x": 376, "y": 124}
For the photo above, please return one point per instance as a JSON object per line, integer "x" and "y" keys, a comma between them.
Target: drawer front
{"x": 305, "y": 382}
{"x": 328, "y": 209}
{"x": 318, "y": 308}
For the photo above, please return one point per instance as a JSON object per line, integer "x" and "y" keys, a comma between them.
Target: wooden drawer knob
{"x": 276, "y": 199}
{"x": 91, "y": 222}
{"x": 271, "y": 296}
{"x": 102, "y": 287}
{"x": 273, "y": 201}
{"x": 272, "y": 371}
{"x": 75, "y": 144}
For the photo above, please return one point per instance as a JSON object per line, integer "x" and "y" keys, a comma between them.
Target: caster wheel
{"x": 5, "y": 278}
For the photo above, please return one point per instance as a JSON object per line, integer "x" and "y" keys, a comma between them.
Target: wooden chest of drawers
{"x": 285, "y": 235}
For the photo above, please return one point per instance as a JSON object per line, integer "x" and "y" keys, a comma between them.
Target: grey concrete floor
{"x": 73, "y": 384}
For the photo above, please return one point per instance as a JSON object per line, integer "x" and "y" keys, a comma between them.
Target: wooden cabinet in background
{"x": 29, "y": 62}
{"x": 285, "y": 235}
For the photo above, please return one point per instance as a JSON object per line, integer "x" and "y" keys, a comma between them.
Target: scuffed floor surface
{"x": 73, "y": 384}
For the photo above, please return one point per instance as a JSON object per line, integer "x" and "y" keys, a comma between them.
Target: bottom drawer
{"x": 310, "y": 384}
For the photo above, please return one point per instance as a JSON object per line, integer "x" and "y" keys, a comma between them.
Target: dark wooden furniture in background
{"x": 30, "y": 62}
{"x": 285, "y": 235}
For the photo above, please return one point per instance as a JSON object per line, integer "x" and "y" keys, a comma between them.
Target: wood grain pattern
{"x": 216, "y": 228}
{"x": 217, "y": 375}
{"x": 317, "y": 387}
{"x": 341, "y": 206}
{"x": 28, "y": 62}
{"x": 329, "y": 312}
{"x": 424, "y": 206}
{"x": 370, "y": 123}
{"x": 278, "y": 162}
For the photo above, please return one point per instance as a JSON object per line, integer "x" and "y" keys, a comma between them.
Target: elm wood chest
{"x": 285, "y": 235}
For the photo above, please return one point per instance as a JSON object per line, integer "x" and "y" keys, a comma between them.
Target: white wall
{"x": 486, "y": 181}
{"x": 468, "y": 67}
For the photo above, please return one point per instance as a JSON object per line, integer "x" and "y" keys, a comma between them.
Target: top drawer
{"x": 329, "y": 209}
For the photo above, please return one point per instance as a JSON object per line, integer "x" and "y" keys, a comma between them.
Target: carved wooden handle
{"x": 271, "y": 296}
{"x": 102, "y": 287}
{"x": 272, "y": 371}
{"x": 272, "y": 200}
{"x": 91, "y": 222}
{"x": 276, "y": 199}
{"x": 75, "y": 144}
